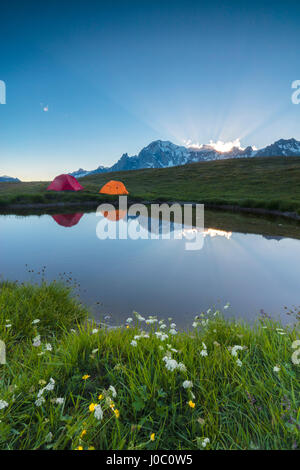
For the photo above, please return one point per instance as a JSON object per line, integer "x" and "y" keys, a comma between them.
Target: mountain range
{"x": 163, "y": 154}
{"x": 4, "y": 179}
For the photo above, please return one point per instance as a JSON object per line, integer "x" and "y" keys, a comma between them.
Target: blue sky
{"x": 115, "y": 75}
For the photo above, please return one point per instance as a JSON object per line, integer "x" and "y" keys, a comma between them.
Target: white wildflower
{"x": 161, "y": 336}
{"x": 39, "y": 401}
{"x": 37, "y": 341}
{"x": 235, "y": 349}
{"x": 95, "y": 350}
{"x": 203, "y": 353}
{"x": 113, "y": 391}
{"x": 48, "y": 347}
{"x": 133, "y": 343}
{"x": 40, "y": 392}
{"x": 173, "y": 325}
{"x": 181, "y": 367}
{"x": 205, "y": 441}
{"x": 239, "y": 363}
{"x": 50, "y": 385}
{"x": 172, "y": 331}
{"x": 129, "y": 320}
{"x": 98, "y": 413}
{"x": 276, "y": 368}
{"x": 59, "y": 400}
{"x": 171, "y": 364}
{"x": 163, "y": 326}
{"x": 37, "y": 320}
{"x": 8, "y": 325}
{"x": 187, "y": 384}
{"x": 3, "y": 404}
{"x": 195, "y": 324}
{"x": 226, "y": 306}
{"x": 94, "y": 331}
{"x": 151, "y": 320}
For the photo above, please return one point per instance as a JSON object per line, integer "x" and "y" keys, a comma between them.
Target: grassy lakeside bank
{"x": 58, "y": 385}
{"x": 264, "y": 183}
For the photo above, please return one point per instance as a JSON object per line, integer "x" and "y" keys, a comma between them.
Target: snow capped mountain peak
{"x": 282, "y": 147}
{"x": 163, "y": 154}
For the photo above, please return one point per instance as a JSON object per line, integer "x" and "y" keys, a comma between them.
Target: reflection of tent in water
{"x": 114, "y": 187}
{"x": 114, "y": 215}
{"x": 67, "y": 220}
{"x": 64, "y": 183}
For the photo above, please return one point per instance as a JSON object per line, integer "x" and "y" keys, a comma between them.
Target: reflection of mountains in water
{"x": 67, "y": 220}
{"x": 273, "y": 237}
{"x": 159, "y": 227}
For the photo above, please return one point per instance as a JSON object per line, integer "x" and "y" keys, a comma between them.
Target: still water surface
{"x": 156, "y": 277}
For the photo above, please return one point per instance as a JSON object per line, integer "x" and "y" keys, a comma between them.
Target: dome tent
{"x": 64, "y": 183}
{"x": 114, "y": 187}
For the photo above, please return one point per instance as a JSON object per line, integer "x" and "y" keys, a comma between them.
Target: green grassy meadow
{"x": 69, "y": 384}
{"x": 270, "y": 183}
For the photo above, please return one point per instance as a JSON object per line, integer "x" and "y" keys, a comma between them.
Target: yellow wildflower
{"x": 85, "y": 377}
{"x": 117, "y": 413}
{"x": 152, "y": 437}
{"x": 100, "y": 397}
{"x": 91, "y": 448}
{"x": 127, "y": 327}
{"x": 79, "y": 448}
{"x": 92, "y": 406}
{"x": 192, "y": 404}
{"x": 83, "y": 433}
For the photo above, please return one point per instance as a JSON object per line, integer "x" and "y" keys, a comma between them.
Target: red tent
{"x": 64, "y": 183}
{"x": 67, "y": 220}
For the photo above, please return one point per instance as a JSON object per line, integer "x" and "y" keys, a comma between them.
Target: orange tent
{"x": 114, "y": 215}
{"x": 114, "y": 187}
